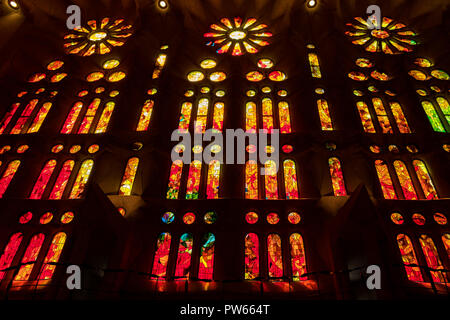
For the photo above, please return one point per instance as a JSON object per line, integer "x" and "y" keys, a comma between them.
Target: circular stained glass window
{"x": 189, "y": 218}
{"x": 357, "y": 76}
{"x": 265, "y": 63}
{"x": 46, "y": 218}
{"x": 57, "y": 148}
{"x": 273, "y": 218}
{"x": 282, "y": 93}
{"x": 205, "y": 89}
{"x": 320, "y": 90}
{"x": 397, "y": 218}
{"x": 116, "y": 76}
{"x": 393, "y": 148}
{"x": 5, "y": 149}
{"x": 95, "y": 76}
{"x": 287, "y": 148}
{"x": 83, "y": 93}
{"x": 277, "y": 76}
{"x": 195, "y": 76}
{"x": 168, "y": 217}
{"x": 179, "y": 148}
{"x": 189, "y": 93}
{"x": 75, "y": 148}
{"x": 421, "y": 92}
{"x": 22, "y": 148}
{"x": 197, "y": 149}
{"x": 418, "y": 75}
{"x": 217, "y": 76}
{"x": 55, "y": 65}
{"x": 210, "y": 217}
{"x": 153, "y": 91}
{"x": 25, "y": 218}
{"x": 100, "y": 90}
{"x": 364, "y": 63}
{"x": 58, "y": 77}
{"x": 93, "y": 148}
{"x": 216, "y": 148}
{"x": 67, "y": 217}
{"x": 418, "y": 219}
{"x": 358, "y": 93}
{"x": 220, "y": 93}
{"x": 111, "y": 64}
{"x": 208, "y": 64}
{"x": 251, "y": 217}
{"x": 440, "y": 74}
{"x": 254, "y": 76}
{"x": 251, "y": 148}
{"x": 294, "y": 218}
{"x": 440, "y": 218}
{"x": 412, "y": 148}
{"x": 251, "y": 93}
{"x": 424, "y": 63}
{"x": 114, "y": 93}
{"x": 375, "y": 149}
{"x": 266, "y": 90}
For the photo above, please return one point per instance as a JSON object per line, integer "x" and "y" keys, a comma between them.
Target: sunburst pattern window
{"x": 237, "y": 36}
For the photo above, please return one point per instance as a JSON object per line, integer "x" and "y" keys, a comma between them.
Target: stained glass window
{"x": 72, "y": 118}
{"x": 30, "y": 257}
{"x": 193, "y": 183}
{"x": 202, "y": 115}
{"x": 161, "y": 255}
{"x": 218, "y": 116}
{"x": 251, "y": 180}
{"x": 89, "y": 116}
{"x": 251, "y": 256}
{"x": 128, "y": 177}
{"x": 399, "y": 117}
{"x": 314, "y": 64}
{"x": 39, "y": 118}
{"x": 9, "y": 253}
{"x": 324, "y": 114}
{"x": 185, "y": 117}
{"x": 445, "y": 107}
{"x": 26, "y": 113}
{"x": 44, "y": 177}
{"x": 274, "y": 256}
{"x": 184, "y": 256}
{"x": 425, "y": 180}
{"x": 432, "y": 257}
{"x": 175, "y": 179}
{"x": 446, "y": 241}
{"x": 366, "y": 118}
{"x": 271, "y": 183}
{"x": 61, "y": 181}
{"x": 79, "y": 187}
{"x": 285, "y": 118}
{"x": 146, "y": 114}
{"x": 409, "y": 258}
{"x": 290, "y": 180}
{"x": 385, "y": 180}
{"x": 267, "y": 113}
{"x": 405, "y": 180}
{"x": 8, "y": 175}
{"x": 159, "y": 65}
{"x": 250, "y": 111}
{"x": 433, "y": 116}
{"x": 206, "y": 266}
{"x": 105, "y": 117}
{"x": 212, "y": 186}
{"x": 8, "y": 116}
{"x": 337, "y": 177}
{"x": 53, "y": 255}
{"x": 382, "y": 116}
{"x": 298, "y": 257}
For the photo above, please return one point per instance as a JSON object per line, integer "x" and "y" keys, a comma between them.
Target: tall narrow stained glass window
{"x": 128, "y": 177}
{"x": 314, "y": 64}
{"x": 42, "y": 181}
{"x": 271, "y": 184}
{"x": 8, "y": 116}
{"x": 80, "y": 184}
{"x": 185, "y": 118}
{"x": 382, "y": 116}
{"x": 425, "y": 180}
{"x": 23, "y": 119}
{"x": 218, "y": 116}
{"x": 446, "y": 242}
{"x": 366, "y": 118}
{"x": 105, "y": 117}
{"x": 30, "y": 257}
{"x": 405, "y": 180}
{"x": 337, "y": 177}
{"x": 409, "y": 258}
{"x": 251, "y": 180}
{"x": 202, "y": 115}
{"x": 193, "y": 183}
{"x": 432, "y": 258}
{"x": 52, "y": 257}
{"x": 159, "y": 65}
{"x": 8, "y": 175}
{"x": 161, "y": 259}
{"x": 250, "y": 122}
{"x": 399, "y": 116}
{"x": 62, "y": 180}
{"x": 285, "y": 118}
{"x": 206, "y": 265}
{"x": 175, "y": 179}
{"x": 146, "y": 114}
{"x": 433, "y": 116}
{"x": 290, "y": 180}
{"x": 9, "y": 253}
{"x": 184, "y": 256}
{"x": 385, "y": 180}
{"x": 445, "y": 108}
{"x": 72, "y": 118}
{"x": 298, "y": 257}
{"x": 267, "y": 112}
{"x": 39, "y": 118}
{"x": 251, "y": 256}
{"x": 89, "y": 117}
{"x": 212, "y": 186}
{"x": 324, "y": 115}
{"x": 274, "y": 256}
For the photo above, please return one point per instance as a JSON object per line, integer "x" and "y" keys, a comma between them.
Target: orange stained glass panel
{"x": 212, "y": 187}
{"x": 30, "y": 257}
{"x": 446, "y": 241}
{"x": 184, "y": 256}
{"x": 324, "y": 114}
{"x": 314, "y": 64}
{"x": 250, "y": 118}
{"x": 61, "y": 181}
{"x": 105, "y": 118}
{"x": 290, "y": 180}
{"x": 9, "y": 253}
{"x": 274, "y": 256}
{"x": 42, "y": 181}
{"x": 40, "y": 117}
{"x": 385, "y": 180}
{"x": 174, "y": 179}
{"x": 285, "y": 118}
{"x": 206, "y": 265}
{"x": 193, "y": 183}
{"x": 409, "y": 258}
{"x": 72, "y": 118}
{"x": 366, "y": 118}
{"x": 218, "y": 116}
{"x": 432, "y": 257}
{"x": 128, "y": 178}
{"x": 79, "y": 187}
{"x": 337, "y": 177}
{"x": 405, "y": 180}
{"x": 400, "y": 118}
{"x": 8, "y": 116}
{"x": 161, "y": 255}
{"x": 425, "y": 180}
{"x": 53, "y": 255}
{"x": 89, "y": 117}
{"x": 146, "y": 114}
{"x": 186, "y": 110}
{"x": 382, "y": 115}
{"x": 8, "y": 175}
{"x": 267, "y": 112}
{"x": 251, "y": 256}
{"x": 251, "y": 180}
{"x": 271, "y": 180}
{"x": 298, "y": 257}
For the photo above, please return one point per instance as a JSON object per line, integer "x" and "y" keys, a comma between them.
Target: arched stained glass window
{"x": 89, "y": 117}
{"x": 23, "y": 119}
{"x": 161, "y": 259}
{"x": 105, "y": 117}
{"x": 202, "y": 115}
{"x": 366, "y": 118}
{"x": 9, "y": 253}
{"x": 146, "y": 114}
{"x": 185, "y": 118}
{"x": 285, "y": 117}
{"x": 159, "y": 65}
{"x": 212, "y": 186}
{"x": 267, "y": 112}
{"x": 193, "y": 183}
{"x": 405, "y": 180}
{"x": 79, "y": 187}
{"x": 445, "y": 107}
{"x": 61, "y": 181}
{"x": 399, "y": 117}
{"x": 382, "y": 116}
{"x": 337, "y": 177}
{"x": 52, "y": 257}
{"x": 8, "y": 175}
{"x": 72, "y": 118}
{"x": 40, "y": 117}
{"x": 41, "y": 182}
{"x": 445, "y": 240}
{"x": 425, "y": 180}
{"x": 274, "y": 256}
{"x": 298, "y": 257}
{"x": 251, "y": 180}
{"x": 175, "y": 179}
{"x": 324, "y": 114}
{"x": 184, "y": 256}
{"x": 432, "y": 257}
{"x": 409, "y": 258}
{"x": 206, "y": 266}
{"x": 8, "y": 116}
{"x": 30, "y": 257}
{"x": 433, "y": 116}
{"x": 218, "y": 116}
{"x": 128, "y": 177}
{"x": 290, "y": 180}
{"x": 250, "y": 123}
{"x": 251, "y": 256}
{"x": 385, "y": 180}
{"x": 314, "y": 64}
{"x": 271, "y": 183}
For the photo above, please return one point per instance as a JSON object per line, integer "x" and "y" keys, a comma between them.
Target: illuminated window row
{"x": 419, "y": 219}
{"x": 273, "y": 218}
{"x": 408, "y": 190}
{"x": 203, "y": 113}
{"x": 189, "y": 218}
{"x": 268, "y": 121}
{"x": 275, "y": 266}
{"x": 430, "y": 253}
{"x": 183, "y": 265}
{"x": 438, "y": 114}
{"x": 47, "y": 217}
{"x": 29, "y": 269}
